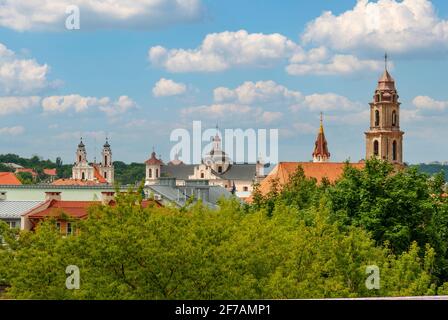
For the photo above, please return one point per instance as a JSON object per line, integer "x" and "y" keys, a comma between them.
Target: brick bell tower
{"x": 384, "y": 140}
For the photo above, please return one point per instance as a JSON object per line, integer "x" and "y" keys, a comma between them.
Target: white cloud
{"x": 330, "y": 101}
{"x": 18, "y": 76}
{"x": 269, "y": 117}
{"x": 428, "y": 103}
{"x": 71, "y": 135}
{"x": 11, "y": 105}
{"x": 221, "y": 51}
{"x": 319, "y": 63}
{"x": 80, "y": 104}
{"x": 122, "y": 105}
{"x": 216, "y": 111}
{"x": 252, "y": 92}
{"x": 385, "y": 25}
{"x": 166, "y": 87}
{"x": 36, "y": 15}
{"x": 12, "y": 131}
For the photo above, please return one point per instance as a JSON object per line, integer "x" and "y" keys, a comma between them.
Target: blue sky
{"x": 265, "y": 64}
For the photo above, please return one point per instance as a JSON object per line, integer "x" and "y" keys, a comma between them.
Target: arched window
{"x": 105, "y": 160}
{"x": 394, "y": 118}
{"x": 83, "y": 176}
{"x": 149, "y": 173}
{"x": 79, "y": 158}
{"x": 219, "y": 169}
{"x": 157, "y": 173}
{"x": 105, "y": 175}
{"x": 376, "y": 148}
{"x": 377, "y": 118}
{"x": 202, "y": 175}
{"x": 394, "y": 150}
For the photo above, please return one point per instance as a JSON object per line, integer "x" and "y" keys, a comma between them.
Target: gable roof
{"x": 9, "y": 178}
{"x": 236, "y": 171}
{"x": 318, "y": 170}
{"x": 13, "y": 209}
{"x": 74, "y": 209}
{"x": 74, "y": 182}
{"x": 97, "y": 174}
{"x": 50, "y": 172}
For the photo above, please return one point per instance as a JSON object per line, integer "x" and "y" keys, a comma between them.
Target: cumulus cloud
{"x": 11, "y": 105}
{"x": 19, "y": 76}
{"x": 215, "y": 111}
{"x": 166, "y": 87}
{"x": 330, "y": 101}
{"x": 221, "y": 51}
{"x": 80, "y": 104}
{"x": 232, "y": 113}
{"x": 269, "y": 117}
{"x": 428, "y": 103}
{"x": 36, "y": 15}
{"x": 394, "y": 26}
{"x": 251, "y": 92}
{"x": 338, "y": 64}
{"x": 12, "y": 131}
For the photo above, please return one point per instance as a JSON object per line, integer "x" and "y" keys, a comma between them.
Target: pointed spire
{"x": 321, "y": 153}
{"x": 321, "y": 129}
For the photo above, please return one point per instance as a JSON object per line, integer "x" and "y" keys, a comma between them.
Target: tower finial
{"x": 321, "y": 121}
{"x": 385, "y": 60}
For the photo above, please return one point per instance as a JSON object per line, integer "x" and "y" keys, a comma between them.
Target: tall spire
{"x": 321, "y": 153}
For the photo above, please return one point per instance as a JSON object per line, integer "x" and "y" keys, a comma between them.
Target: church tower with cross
{"x": 384, "y": 140}
{"x": 320, "y": 153}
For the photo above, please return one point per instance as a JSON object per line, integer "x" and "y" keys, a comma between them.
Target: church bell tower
{"x": 384, "y": 140}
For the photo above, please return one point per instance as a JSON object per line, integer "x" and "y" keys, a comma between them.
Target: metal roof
{"x": 236, "y": 171}
{"x": 13, "y": 209}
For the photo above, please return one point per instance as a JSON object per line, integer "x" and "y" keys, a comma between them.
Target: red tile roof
{"x": 33, "y": 173}
{"x": 74, "y": 209}
{"x": 74, "y": 182}
{"x": 98, "y": 175}
{"x": 50, "y": 172}
{"x": 318, "y": 170}
{"x": 9, "y": 178}
{"x": 153, "y": 160}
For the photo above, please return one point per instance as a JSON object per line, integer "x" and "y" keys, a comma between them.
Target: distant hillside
{"x": 432, "y": 168}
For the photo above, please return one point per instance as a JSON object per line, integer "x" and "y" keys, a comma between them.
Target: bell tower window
{"x": 377, "y": 118}
{"x": 394, "y": 151}
{"x": 394, "y": 118}
{"x": 376, "y": 148}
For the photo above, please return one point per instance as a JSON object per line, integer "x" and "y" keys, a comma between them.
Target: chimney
{"x": 53, "y": 195}
{"x": 2, "y": 195}
{"x": 107, "y": 197}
